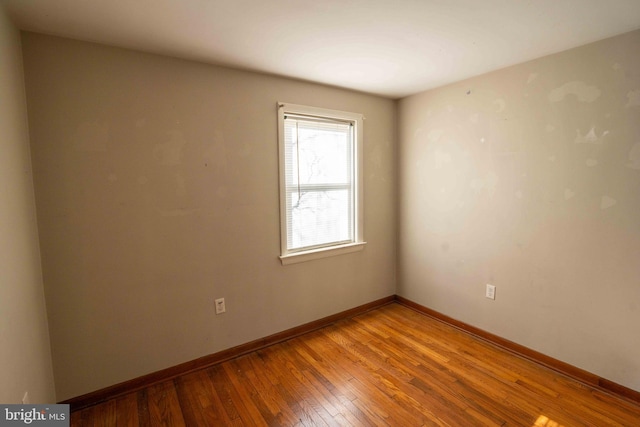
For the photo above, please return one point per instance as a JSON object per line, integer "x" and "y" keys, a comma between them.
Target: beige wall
{"x": 157, "y": 191}
{"x": 25, "y": 355}
{"x": 528, "y": 178}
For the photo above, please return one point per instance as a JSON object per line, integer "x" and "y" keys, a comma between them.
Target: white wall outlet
{"x": 490, "y": 292}
{"x": 25, "y": 398}
{"x": 220, "y": 308}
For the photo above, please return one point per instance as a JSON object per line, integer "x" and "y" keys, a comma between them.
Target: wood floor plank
{"x": 187, "y": 390}
{"x": 232, "y": 405}
{"x": 83, "y": 418}
{"x": 335, "y": 384}
{"x": 199, "y": 385}
{"x": 127, "y": 410}
{"x": 143, "y": 407}
{"x": 282, "y": 414}
{"x": 389, "y": 366}
{"x": 312, "y": 381}
{"x": 403, "y": 410}
{"x": 299, "y": 394}
{"x": 397, "y": 381}
{"x": 251, "y": 403}
{"x": 104, "y": 414}
{"x": 164, "y": 406}
{"x": 336, "y": 362}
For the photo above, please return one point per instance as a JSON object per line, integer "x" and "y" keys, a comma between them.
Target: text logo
{"x": 35, "y": 415}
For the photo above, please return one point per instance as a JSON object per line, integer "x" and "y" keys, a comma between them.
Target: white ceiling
{"x": 390, "y": 48}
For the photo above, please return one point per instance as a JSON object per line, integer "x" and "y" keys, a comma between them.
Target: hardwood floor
{"x": 391, "y": 366}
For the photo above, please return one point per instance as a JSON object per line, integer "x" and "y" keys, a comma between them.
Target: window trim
{"x": 291, "y": 257}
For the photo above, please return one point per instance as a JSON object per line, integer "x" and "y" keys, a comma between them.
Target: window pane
{"x": 324, "y": 154}
{"x": 318, "y": 158}
{"x": 319, "y": 217}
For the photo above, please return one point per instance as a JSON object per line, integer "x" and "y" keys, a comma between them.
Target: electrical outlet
{"x": 25, "y": 398}
{"x": 490, "y": 292}
{"x": 220, "y": 308}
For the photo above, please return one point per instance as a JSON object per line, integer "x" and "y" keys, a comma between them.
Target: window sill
{"x": 321, "y": 253}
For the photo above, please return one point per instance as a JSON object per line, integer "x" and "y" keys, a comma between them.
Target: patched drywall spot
{"x": 568, "y": 193}
{"x": 606, "y": 202}
{"x": 634, "y": 157}
{"x": 531, "y": 78}
{"x": 582, "y": 91}
{"x": 489, "y": 182}
{"x": 170, "y": 153}
{"x": 633, "y": 98}
{"x": 500, "y": 104}
{"x": 441, "y": 158}
{"x": 590, "y": 137}
{"x": 482, "y": 140}
{"x": 92, "y": 137}
{"x": 434, "y": 135}
{"x": 591, "y": 162}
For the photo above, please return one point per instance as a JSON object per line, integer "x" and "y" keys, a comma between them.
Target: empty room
{"x": 321, "y": 212}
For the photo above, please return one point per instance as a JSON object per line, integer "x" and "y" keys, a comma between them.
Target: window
{"x": 320, "y": 182}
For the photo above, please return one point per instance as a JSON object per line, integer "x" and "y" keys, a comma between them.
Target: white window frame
{"x": 295, "y": 256}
